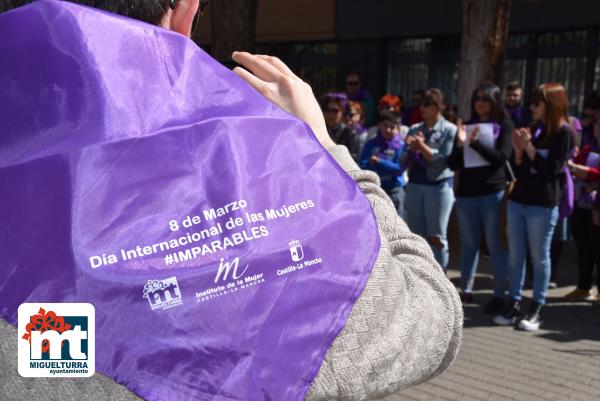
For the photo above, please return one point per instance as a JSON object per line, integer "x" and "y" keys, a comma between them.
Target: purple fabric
{"x": 575, "y": 124}
{"x": 585, "y": 194}
{"x": 111, "y": 130}
{"x": 495, "y": 131}
{"x": 567, "y": 201}
{"x": 416, "y": 157}
{"x": 518, "y": 115}
{"x": 394, "y": 142}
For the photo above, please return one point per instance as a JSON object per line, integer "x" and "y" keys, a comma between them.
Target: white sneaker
{"x": 532, "y": 321}
{"x": 529, "y": 325}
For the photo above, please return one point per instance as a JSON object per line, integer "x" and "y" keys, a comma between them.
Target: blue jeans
{"x": 533, "y": 227}
{"x": 428, "y": 210}
{"x": 472, "y": 213}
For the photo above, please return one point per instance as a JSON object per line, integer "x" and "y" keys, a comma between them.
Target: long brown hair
{"x": 554, "y": 97}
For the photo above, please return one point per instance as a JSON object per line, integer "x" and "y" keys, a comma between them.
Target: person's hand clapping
{"x": 274, "y": 80}
{"x": 521, "y": 138}
{"x": 419, "y": 140}
{"x": 412, "y": 143}
{"x": 461, "y": 134}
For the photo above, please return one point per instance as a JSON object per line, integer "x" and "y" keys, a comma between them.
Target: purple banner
{"x": 221, "y": 245}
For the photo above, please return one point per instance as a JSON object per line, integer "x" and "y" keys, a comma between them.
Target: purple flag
{"x": 221, "y": 245}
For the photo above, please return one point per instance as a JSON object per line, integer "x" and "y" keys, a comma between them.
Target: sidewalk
{"x": 561, "y": 361}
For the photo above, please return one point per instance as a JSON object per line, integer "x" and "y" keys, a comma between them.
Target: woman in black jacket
{"x": 480, "y": 188}
{"x": 539, "y": 158}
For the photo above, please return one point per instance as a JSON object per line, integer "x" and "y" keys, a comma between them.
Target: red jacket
{"x": 581, "y": 158}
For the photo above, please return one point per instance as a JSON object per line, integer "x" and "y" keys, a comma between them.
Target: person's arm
{"x": 438, "y": 158}
{"x": 425, "y": 316}
{"x": 550, "y": 167}
{"x": 584, "y": 172}
{"x": 501, "y": 152}
{"x": 16, "y": 388}
{"x": 593, "y": 173}
{"x": 395, "y": 167}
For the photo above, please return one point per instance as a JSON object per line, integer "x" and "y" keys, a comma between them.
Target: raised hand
{"x": 461, "y": 134}
{"x": 274, "y": 80}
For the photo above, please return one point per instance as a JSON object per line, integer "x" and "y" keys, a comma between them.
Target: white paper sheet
{"x": 485, "y": 137}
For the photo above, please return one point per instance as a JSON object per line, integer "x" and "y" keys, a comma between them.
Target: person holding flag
{"x": 113, "y": 144}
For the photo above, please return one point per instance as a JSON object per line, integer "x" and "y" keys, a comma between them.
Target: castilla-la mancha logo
{"x": 163, "y": 294}
{"x": 56, "y": 340}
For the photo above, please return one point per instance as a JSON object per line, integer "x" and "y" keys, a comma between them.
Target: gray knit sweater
{"x": 405, "y": 328}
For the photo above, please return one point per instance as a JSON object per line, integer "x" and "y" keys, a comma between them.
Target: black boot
{"x": 466, "y": 298}
{"x": 510, "y": 315}
{"x": 532, "y": 321}
{"x": 495, "y": 306}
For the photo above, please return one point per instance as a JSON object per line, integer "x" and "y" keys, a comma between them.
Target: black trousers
{"x": 587, "y": 240}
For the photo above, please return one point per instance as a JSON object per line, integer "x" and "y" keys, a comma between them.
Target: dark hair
{"x": 592, "y": 101}
{"x": 150, "y": 11}
{"x": 451, "y": 113}
{"x": 513, "y": 86}
{"x": 493, "y": 94}
{"x": 434, "y": 97}
{"x": 390, "y": 116}
{"x": 336, "y": 97}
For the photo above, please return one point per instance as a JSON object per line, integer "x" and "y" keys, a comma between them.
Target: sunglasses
{"x": 480, "y": 99}
{"x": 330, "y": 110}
{"x": 352, "y": 83}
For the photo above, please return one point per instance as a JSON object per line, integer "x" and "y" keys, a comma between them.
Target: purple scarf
{"x": 132, "y": 157}
{"x": 394, "y": 142}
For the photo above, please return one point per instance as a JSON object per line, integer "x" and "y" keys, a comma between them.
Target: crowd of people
{"x": 521, "y": 176}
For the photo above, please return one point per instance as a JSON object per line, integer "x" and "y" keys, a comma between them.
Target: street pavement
{"x": 561, "y": 361}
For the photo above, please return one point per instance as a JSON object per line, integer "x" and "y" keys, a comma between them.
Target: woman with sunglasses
{"x": 429, "y": 195}
{"x": 335, "y": 108}
{"x": 480, "y": 190}
{"x": 540, "y": 155}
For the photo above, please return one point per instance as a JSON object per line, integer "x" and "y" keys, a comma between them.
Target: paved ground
{"x": 559, "y": 362}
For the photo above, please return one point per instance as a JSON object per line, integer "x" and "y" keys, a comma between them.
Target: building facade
{"x": 401, "y": 46}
